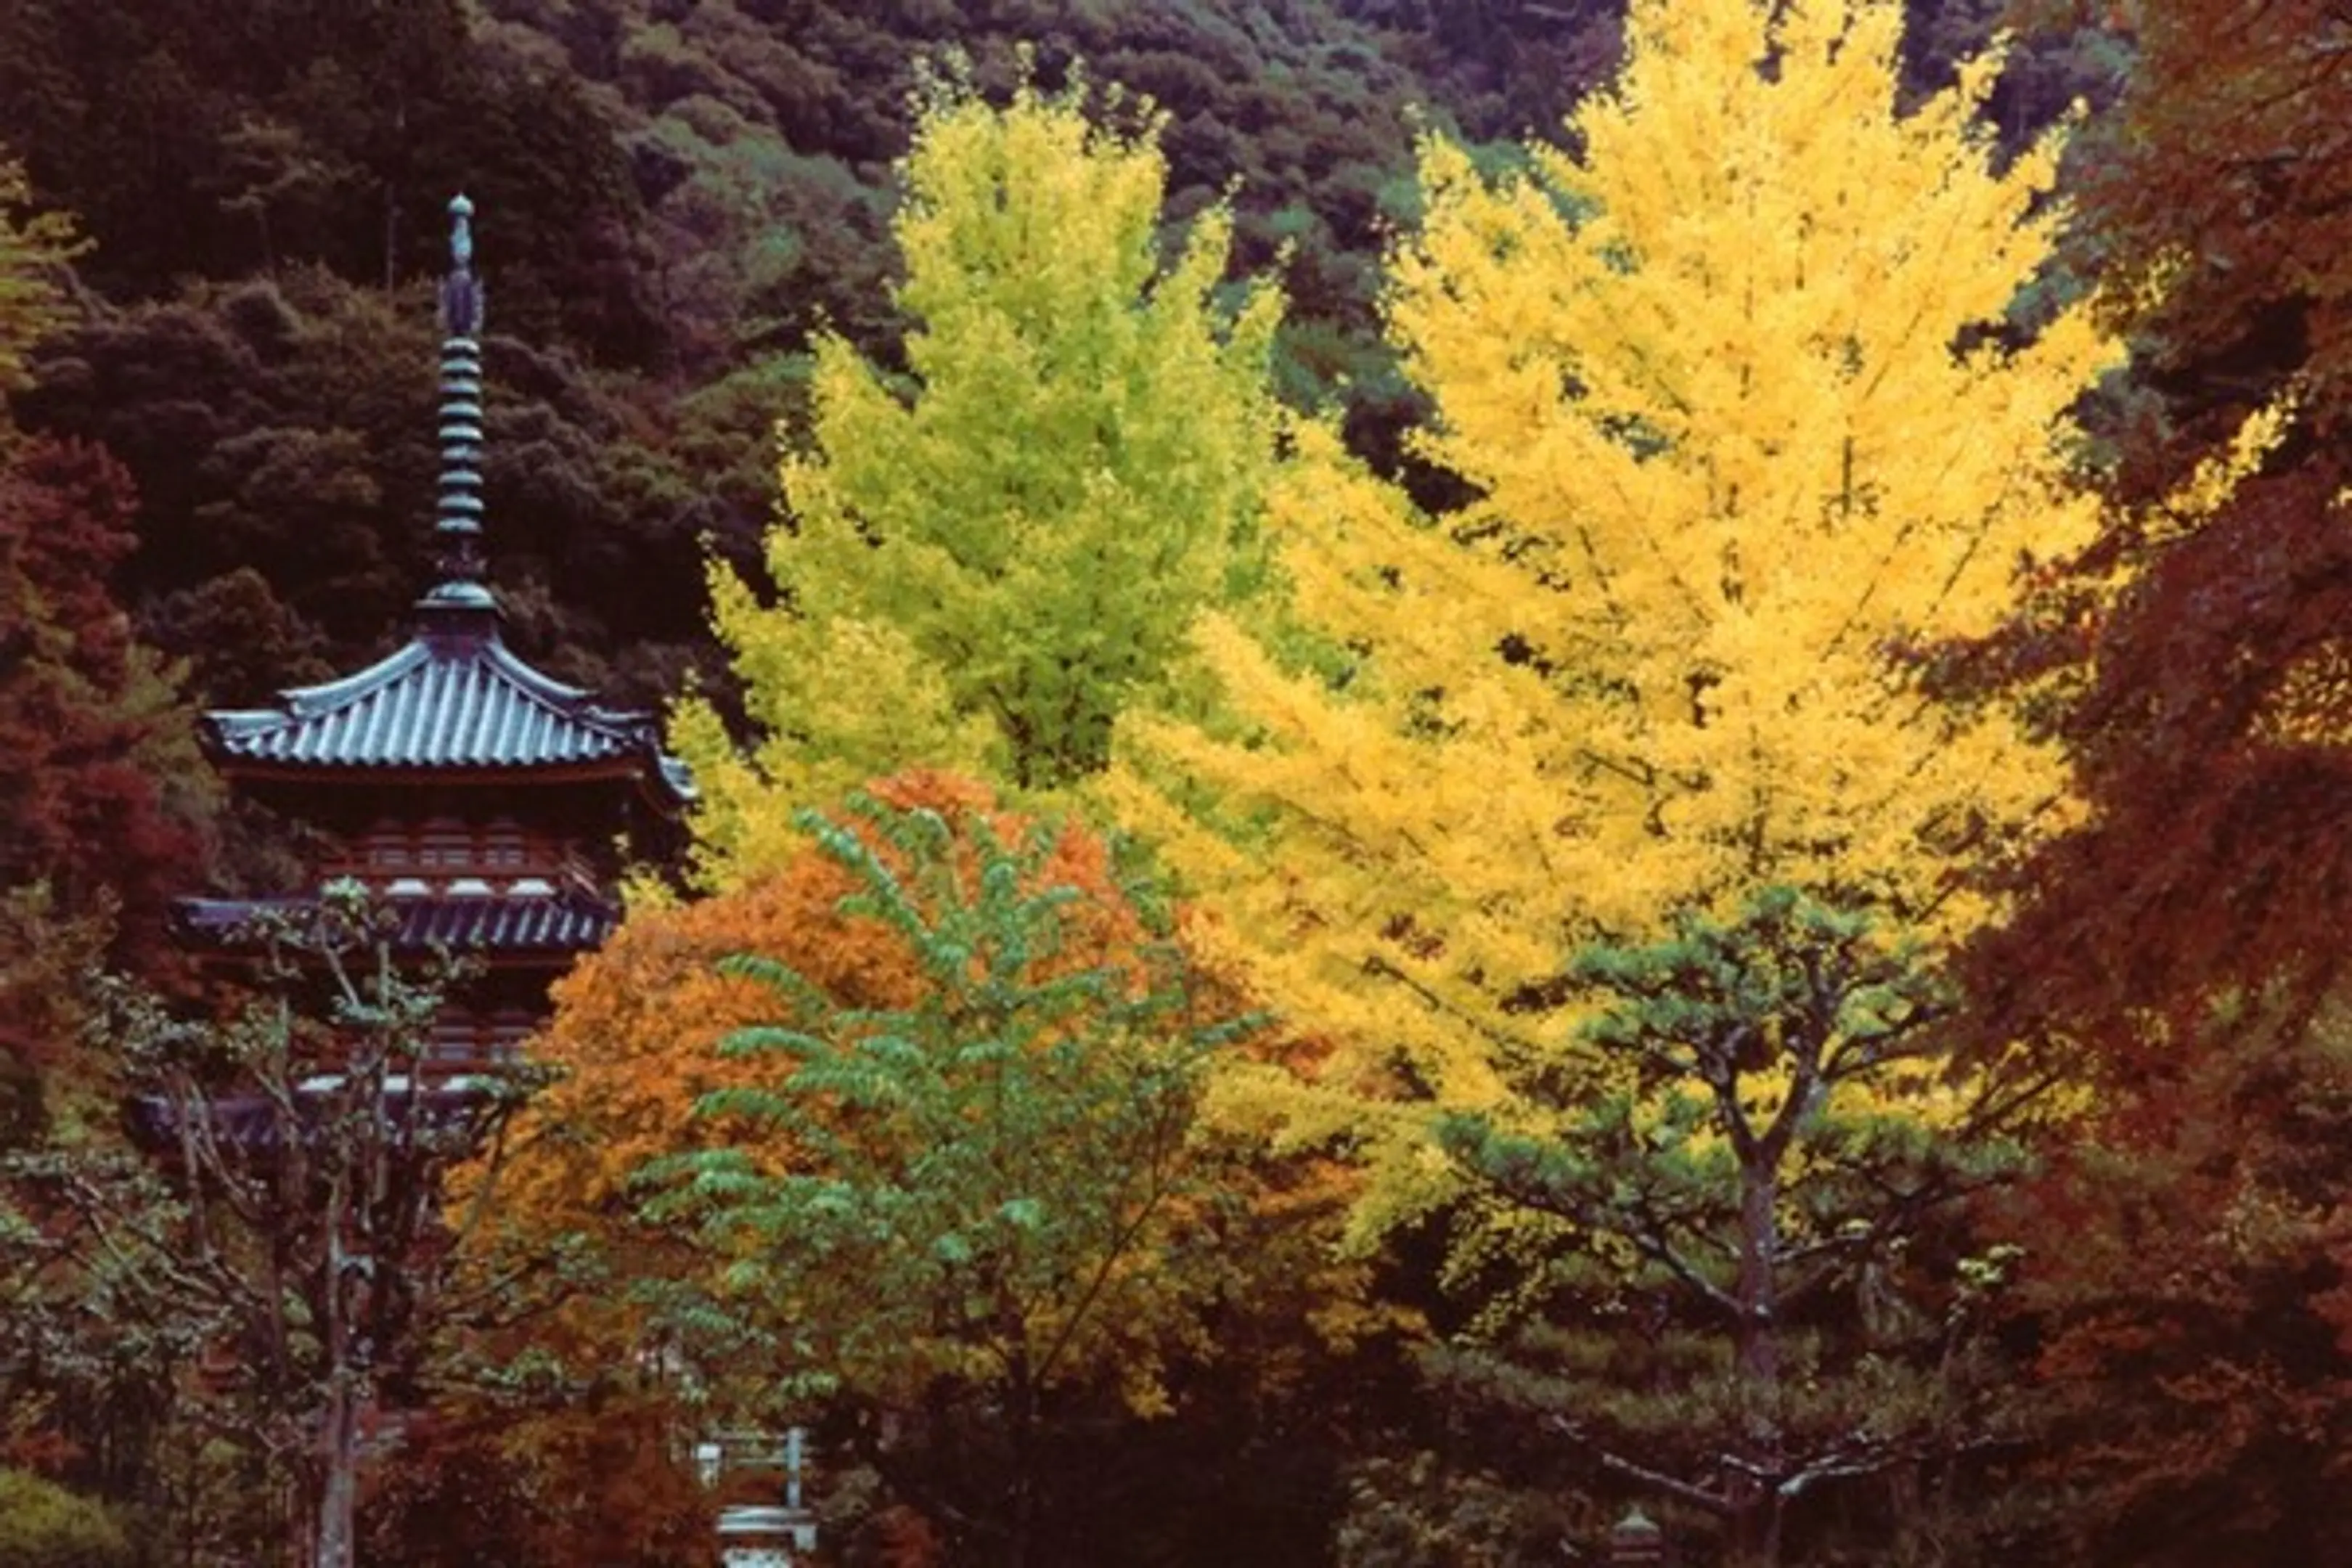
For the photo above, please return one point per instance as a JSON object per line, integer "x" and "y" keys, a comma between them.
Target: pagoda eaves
{"x": 453, "y": 700}
{"x": 560, "y": 923}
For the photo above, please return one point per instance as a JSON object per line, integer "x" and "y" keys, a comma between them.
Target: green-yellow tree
{"x": 986, "y": 558}
{"x": 33, "y": 244}
{"x": 1754, "y": 418}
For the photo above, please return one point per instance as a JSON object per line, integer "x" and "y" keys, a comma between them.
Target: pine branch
{"x": 1616, "y": 1464}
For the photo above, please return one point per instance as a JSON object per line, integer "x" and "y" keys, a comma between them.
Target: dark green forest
{"x": 674, "y": 198}
{"x": 222, "y": 228}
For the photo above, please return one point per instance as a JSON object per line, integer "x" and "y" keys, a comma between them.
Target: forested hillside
{"x": 1461, "y": 763}
{"x": 674, "y": 198}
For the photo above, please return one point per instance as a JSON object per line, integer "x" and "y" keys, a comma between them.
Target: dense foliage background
{"x": 220, "y": 229}
{"x": 674, "y": 198}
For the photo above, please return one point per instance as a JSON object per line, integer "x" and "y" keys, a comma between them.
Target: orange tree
{"x": 635, "y": 1040}
{"x": 932, "y": 1153}
{"x": 639, "y": 1024}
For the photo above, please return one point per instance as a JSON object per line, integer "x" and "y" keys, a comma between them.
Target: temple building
{"x": 482, "y": 802}
{"x": 487, "y": 808}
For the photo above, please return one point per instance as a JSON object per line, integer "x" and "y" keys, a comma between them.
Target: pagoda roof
{"x": 453, "y": 703}
{"x": 560, "y": 923}
{"x": 255, "y": 1124}
{"x": 452, "y": 700}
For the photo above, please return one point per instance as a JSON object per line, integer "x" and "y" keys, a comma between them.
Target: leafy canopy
{"x": 2194, "y": 1332}
{"x": 33, "y": 244}
{"x": 986, "y": 560}
{"x": 1750, "y": 417}
{"x": 1766, "y": 1182}
{"x": 638, "y": 1023}
{"x": 966, "y": 1182}
{"x": 2224, "y": 169}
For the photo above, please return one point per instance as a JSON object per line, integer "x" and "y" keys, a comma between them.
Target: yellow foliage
{"x": 2214, "y": 480}
{"x": 1752, "y": 428}
{"x": 818, "y": 734}
{"x": 35, "y": 247}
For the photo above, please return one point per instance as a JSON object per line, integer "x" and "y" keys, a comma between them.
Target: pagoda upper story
{"x": 483, "y": 801}
{"x": 452, "y": 708}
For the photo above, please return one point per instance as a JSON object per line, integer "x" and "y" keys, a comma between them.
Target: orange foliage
{"x": 638, "y": 1026}
{"x": 636, "y": 1032}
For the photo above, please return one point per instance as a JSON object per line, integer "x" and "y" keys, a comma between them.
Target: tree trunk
{"x": 338, "y": 1431}
{"x": 1756, "y": 1364}
{"x": 339, "y": 1418}
{"x": 1023, "y": 1411}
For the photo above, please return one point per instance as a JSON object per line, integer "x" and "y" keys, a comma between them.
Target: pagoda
{"x": 483, "y": 804}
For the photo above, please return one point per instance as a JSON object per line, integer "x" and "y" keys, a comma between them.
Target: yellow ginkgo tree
{"x": 1756, "y": 413}
{"x": 1751, "y": 420}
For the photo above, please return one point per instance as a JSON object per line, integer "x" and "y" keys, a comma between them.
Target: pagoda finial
{"x": 458, "y": 521}
{"x": 461, "y": 295}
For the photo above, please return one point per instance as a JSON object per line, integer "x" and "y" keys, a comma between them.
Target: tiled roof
{"x": 557, "y": 924}
{"x": 255, "y": 1124}
{"x": 453, "y": 698}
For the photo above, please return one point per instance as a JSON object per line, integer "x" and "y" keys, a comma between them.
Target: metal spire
{"x": 458, "y": 521}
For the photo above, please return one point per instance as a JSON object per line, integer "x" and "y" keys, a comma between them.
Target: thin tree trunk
{"x": 1024, "y": 1465}
{"x": 337, "y": 1494}
{"x": 299, "y": 1513}
{"x": 1757, "y": 1366}
{"x": 339, "y": 1487}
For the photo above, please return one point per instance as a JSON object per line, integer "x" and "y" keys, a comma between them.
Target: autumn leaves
{"x": 1602, "y": 834}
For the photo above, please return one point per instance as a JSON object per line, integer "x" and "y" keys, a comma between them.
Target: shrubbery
{"x": 42, "y": 1525}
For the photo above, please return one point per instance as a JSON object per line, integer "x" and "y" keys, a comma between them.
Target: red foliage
{"x": 2220, "y": 851}
{"x": 91, "y": 838}
{"x": 2187, "y": 1249}
{"x": 87, "y": 725}
{"x": 2197, "y": 1321}
{"x": 602, "y": 1481}
{"x": 2228, "y": 152}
